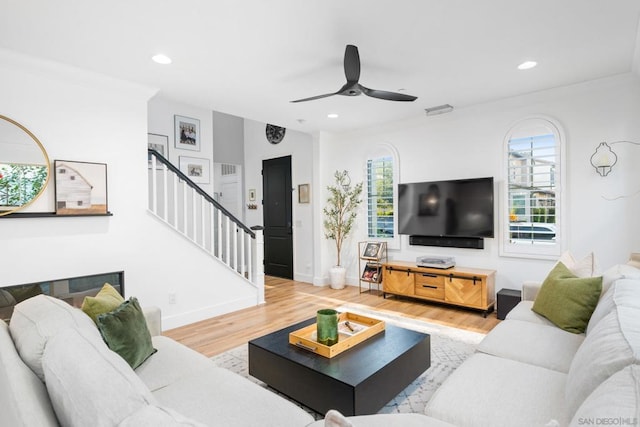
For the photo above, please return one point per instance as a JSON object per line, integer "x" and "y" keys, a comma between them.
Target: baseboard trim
{"x": 186, "y": 318}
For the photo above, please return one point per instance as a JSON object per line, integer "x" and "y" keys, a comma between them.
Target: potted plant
{"x": 339, "y": 214}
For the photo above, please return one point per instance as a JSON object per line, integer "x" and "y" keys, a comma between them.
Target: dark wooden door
{"x": 278, "y": 232}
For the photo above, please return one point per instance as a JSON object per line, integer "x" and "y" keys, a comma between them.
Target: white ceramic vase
{"x": 337, "y": 276}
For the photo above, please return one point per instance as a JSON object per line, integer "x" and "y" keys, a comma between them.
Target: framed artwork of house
{"x": 81, "y": 188}
{"x": 187, "y": 132}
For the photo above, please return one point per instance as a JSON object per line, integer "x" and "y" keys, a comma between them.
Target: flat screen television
{"x": 454, "y": 208}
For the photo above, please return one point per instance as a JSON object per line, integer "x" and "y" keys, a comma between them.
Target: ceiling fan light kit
{"x": 353, "y": 88}
{"x": 440, "y": 109}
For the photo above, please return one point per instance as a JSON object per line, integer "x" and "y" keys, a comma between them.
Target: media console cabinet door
{"x": 398, "y": 282}
{"x": 464, "y": 291}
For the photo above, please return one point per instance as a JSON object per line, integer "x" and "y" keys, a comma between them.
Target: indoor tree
{"x": 340, "y": 212}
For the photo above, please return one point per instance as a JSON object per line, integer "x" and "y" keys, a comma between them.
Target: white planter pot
{"x": 337, "y": 276}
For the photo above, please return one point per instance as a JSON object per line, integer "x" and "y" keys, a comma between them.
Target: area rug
{"x": 449, "y": 348}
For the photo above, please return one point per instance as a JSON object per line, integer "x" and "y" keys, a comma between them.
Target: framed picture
{"x": 303, "y": 193}
{"x": 252, "y": 194}
{"x": 372, "y": 250}
{"x": 371, "y": 273}
{"x": 160, "y": 143}
{"x": 187, "y": 133}
{"x": 196, "y": 169}
{"x": 80, "y": 188}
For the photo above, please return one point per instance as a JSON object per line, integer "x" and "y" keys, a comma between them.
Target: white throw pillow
{"x": 634, "y": 260}
{"x": 586, "y": 267}
{"x": 90, "y": 385}
{"x": 40, "y": 318}
{"x": 618, "y": 271}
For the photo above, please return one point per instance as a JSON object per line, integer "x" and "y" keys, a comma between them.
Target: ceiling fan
{"x": 352, "y": 87}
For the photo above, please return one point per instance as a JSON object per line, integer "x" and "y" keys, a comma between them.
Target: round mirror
{"x": 24, "y": 166}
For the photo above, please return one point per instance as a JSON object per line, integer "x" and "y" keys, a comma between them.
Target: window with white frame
{"x": 532, "y": 206}
{"x": 382, "y": 173}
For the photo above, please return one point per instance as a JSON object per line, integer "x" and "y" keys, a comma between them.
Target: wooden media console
{"x": 460, "y": 286}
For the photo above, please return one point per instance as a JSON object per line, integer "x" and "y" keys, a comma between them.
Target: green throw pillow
{"x": 566, "y": 300}
{"x": 125, "y": 332}
{"x": 108, "y": 299}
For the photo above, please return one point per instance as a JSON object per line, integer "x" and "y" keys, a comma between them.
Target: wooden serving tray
{"x": 365, "y": 327}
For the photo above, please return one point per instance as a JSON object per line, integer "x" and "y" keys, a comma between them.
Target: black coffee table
{"x": 358, "y": 381}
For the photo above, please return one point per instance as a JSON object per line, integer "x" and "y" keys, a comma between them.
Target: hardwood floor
{"x": 290, "y": 302}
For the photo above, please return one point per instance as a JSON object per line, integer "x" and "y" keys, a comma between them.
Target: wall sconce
{"x": 345, "y": 180}
{"x": 603, "y": 159}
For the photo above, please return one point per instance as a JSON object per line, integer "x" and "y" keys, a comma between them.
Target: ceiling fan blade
{"x": 389, "y": 96}
{"x": 352, "y": 64}
{"x": 314, "y": 97}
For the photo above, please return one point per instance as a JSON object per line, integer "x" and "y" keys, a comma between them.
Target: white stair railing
{"x": 185, "y": 207}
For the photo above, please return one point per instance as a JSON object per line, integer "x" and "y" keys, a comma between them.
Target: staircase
{"x": 182, "y": 205}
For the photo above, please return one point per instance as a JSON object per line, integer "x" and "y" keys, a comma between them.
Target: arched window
{"x": 381, "y": 197}
{"x": 532, "y": 206}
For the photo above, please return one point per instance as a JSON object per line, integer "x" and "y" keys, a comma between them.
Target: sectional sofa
{"x": 529, "y": 372}
{"x": 56, "y": 370}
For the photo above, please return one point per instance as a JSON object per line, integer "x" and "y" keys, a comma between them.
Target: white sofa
{"x": 85, "y": 383}
{"x": 528, "y": 372}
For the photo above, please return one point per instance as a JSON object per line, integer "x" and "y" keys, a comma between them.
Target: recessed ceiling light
{"x": 161, "y": 59}
{"x": 527, "y": 65}
{"x": 332, "y": 115}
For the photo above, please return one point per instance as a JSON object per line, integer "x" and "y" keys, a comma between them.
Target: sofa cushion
{"x": 207, "y": 396}
{"x": 494, "y": 392}
{"x": 541, "y": 345}
{"x": 40, "y": 318}
{"x": 616, "y": 399}
{"x": 613, "y": 344}
{"x": 23, "y": 397}
{"x": 522, "y": 311}
{"x": 172, "y": 362}
{"x": 106, "y": 300}
{"x": 154, "y": 416}
{"x": 566, "y": 300}
{"x": 624, "y": 292}
{"x": 89, "y": 385}
{"x": 125, "y": 332}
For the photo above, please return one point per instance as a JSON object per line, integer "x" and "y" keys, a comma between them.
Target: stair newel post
{"x": 257, "y": 262}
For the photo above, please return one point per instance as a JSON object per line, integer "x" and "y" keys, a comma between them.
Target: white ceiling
{"x": 251, "y": 57}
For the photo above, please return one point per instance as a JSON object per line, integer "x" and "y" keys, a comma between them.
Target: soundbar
{"x": 448, "y": 242}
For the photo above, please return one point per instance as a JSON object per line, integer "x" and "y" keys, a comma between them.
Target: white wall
{"x": 298, "y": 145}
{"x": 83, "y": 116}
{"x": 469, "y": 143}
{"x": 161, "y": 121}
{"x": 228, "y": 138}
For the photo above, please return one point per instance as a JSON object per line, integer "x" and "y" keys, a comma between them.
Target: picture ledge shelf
{"x": 49, "y": 215}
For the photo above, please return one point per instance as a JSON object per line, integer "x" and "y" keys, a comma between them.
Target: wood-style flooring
{"x": 289, "y": 302}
